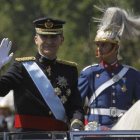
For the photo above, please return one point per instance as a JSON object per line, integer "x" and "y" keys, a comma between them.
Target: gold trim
{"x": 25, "y": 59}
{"x": 65, "y": 62}
{"x": 77, "y": 121}
{"x": 106, "y": 40}
{"x": 44, "y": 30}
{"x": 106, "y": 36}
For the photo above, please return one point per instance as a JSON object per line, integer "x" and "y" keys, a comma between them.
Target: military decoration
{"x": 68, "y": 92}
{"x": 48, "y": 24}
{"x": 49, "y": 70}
{"x": 62, "y": 81}
{"x": 57, "y": 91}
{"x": 63, "y": 99}
{"x": 124, "y": 89}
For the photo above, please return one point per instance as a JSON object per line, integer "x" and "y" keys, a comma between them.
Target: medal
{"x": 62, "y": 81}
{"x": 124, "y": 89}
{"x": 63, "y": 99}
{"x": 57, "y": 91}
{"x": 68, "y": 92}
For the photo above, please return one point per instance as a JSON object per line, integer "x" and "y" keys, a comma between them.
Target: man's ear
{"x": 117, "y": 47}
{"x": 62, "y": 40}
{"x": 36, "y": 40}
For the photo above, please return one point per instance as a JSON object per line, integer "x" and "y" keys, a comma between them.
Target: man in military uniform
{"x": 45, "y": 88}
{"x": 110, "y": 86}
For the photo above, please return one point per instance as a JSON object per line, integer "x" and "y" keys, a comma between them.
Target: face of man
{"x": 105, "y": 48}
{"x": 48, "y": 45}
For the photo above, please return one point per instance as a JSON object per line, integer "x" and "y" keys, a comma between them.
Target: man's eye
{"x": 103, "y": 45}
{"x": 54, "y": 36}
{"x": 43, "y": 36}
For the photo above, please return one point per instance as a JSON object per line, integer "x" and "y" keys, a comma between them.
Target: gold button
{"x": 114, "y": 101}
{"x": 97, "y": 75}
{"x": 50, "y": 112}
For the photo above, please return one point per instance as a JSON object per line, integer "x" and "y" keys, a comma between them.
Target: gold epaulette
{"x": 65, "y": 62}
{"x": 25, "y": 59}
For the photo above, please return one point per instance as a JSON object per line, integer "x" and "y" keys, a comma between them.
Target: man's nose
{"x": 48, "y": 40}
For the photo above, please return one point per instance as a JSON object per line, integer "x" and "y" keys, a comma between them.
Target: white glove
{"x": 76, "y": 130}
{"x": 5, "y": 47}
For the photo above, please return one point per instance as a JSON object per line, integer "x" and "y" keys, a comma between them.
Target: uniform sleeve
{"x": 75, "y": 111}
{"x": 83, "y": 86}
{"x": 11, "y": 79}
{"x": 137, "y": 86}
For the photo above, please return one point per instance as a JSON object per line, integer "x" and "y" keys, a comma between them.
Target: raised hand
{"x": 5, "y": 47}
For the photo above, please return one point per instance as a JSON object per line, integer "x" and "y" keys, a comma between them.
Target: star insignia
{"x": 62, "y": 81}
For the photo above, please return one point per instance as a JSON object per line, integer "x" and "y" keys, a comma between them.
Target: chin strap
{"x": 104, "y": 55}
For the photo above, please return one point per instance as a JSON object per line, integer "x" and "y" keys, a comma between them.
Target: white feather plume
{"x": 122, "y": 24}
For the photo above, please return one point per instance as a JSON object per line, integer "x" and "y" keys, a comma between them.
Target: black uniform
{"x": 32, "y": 112}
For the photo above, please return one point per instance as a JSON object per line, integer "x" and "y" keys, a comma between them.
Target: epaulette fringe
{"x": 25, "y": 59}
{"x": 65, "y": 62}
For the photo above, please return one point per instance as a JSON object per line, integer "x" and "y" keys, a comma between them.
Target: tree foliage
{"x": 79, "y": 31}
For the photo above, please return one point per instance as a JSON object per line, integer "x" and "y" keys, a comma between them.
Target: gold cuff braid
{"x": 77, "y": 121}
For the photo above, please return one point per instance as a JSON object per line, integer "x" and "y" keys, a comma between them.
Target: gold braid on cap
{"x": 45, "y": 30}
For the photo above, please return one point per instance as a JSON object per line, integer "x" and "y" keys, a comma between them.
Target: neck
{"x": 48, "y": 57}
{"x": 110, "y": 60}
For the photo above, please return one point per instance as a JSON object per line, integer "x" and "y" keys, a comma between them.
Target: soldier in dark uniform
{"x": 110, "y": 86}
{"x": 45, "y": 88}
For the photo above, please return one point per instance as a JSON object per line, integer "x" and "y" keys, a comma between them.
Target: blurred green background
{"x": 79, "y": 31}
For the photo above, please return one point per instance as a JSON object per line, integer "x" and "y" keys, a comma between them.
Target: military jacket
{"x": 31, "y": 111}
{"x": 119, "y": 95}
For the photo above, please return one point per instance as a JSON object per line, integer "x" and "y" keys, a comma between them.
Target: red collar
{"x": 109, "y": 66}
